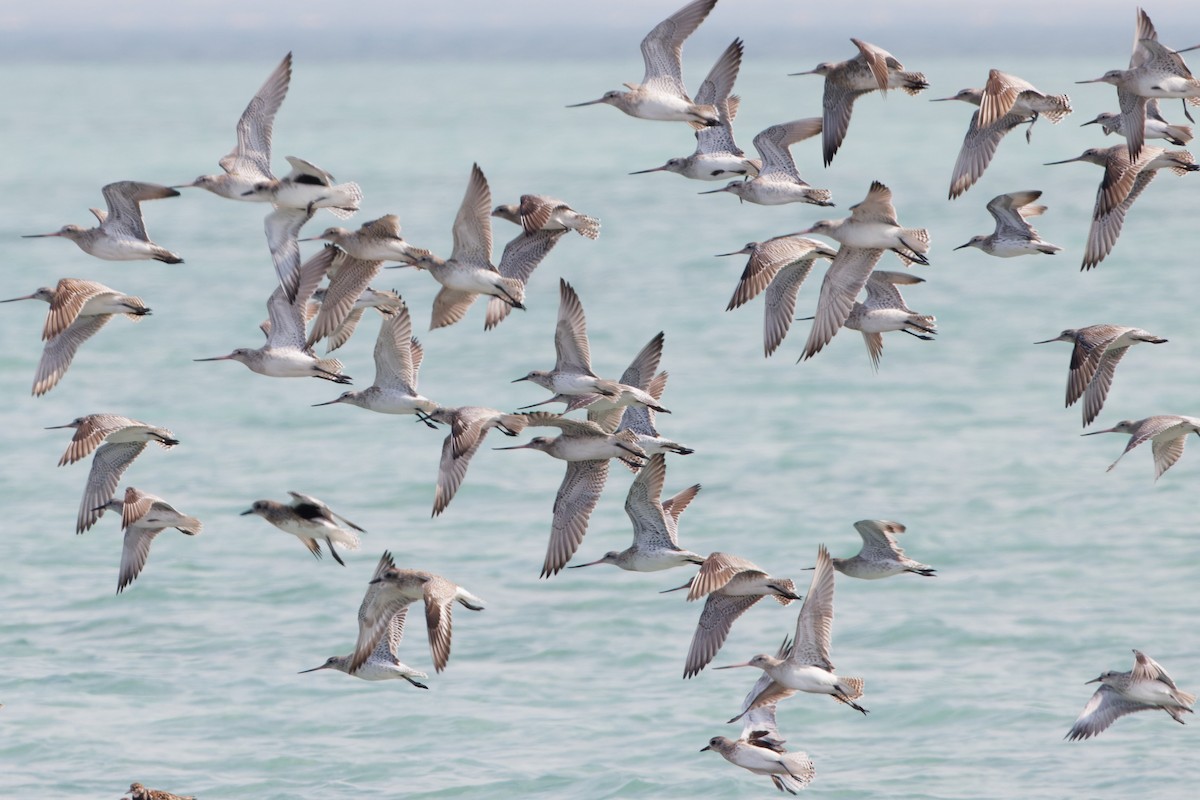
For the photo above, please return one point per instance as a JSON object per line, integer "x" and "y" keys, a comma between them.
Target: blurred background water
{"x": 1050, "y": 570}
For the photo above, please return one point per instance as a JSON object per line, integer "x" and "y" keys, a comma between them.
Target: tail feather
{"x": 913, "y": 82}
{"x": 350, "y": 196}
{"x": 514, "y": 423}
{"x": 1187, "y": 698}
{"x": 852, "y": 688}
{"x": 1064, "y": 107}
{"x": 1181, "y": 134}
{"x": 818, "y": 197}
{"x": 189, "y": 525}
{"x": 587, "y": 226}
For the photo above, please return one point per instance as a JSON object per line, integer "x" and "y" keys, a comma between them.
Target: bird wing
{"x": 309, "y": 171}
{"x": 1105, "y": 707}
{"x": 674, "y": 508}
{"x": 473, "y": 223}
{"x": 644, "y": 366}
{"x": 844, "y": 279}
{"x": 978, "y": 147}
{"x": 452, "y": 468}
{"x": 135, "y": 506}
{"x": 577, "y": 497}
{"x": 644, "y": 507}
{"x": 1104, "y": 231}
{"x": 1090, "y": 345}
{"x": 282, "y": 227}
{"x": 772, "y": 145}
{"x": 879, "y": 61}
{"x": 70, "y": 296}
{"x": 717, "y": 618}
{"x": 662, "y": 49}
{"x": 388, "y": 648}
{"x": 1166, "y": 452}
{"x": 999, "y": 94}
{"x": 525, "y": 251}
{"x": 124, "y": 211}
{"x": 1120, "y": 174}
{"x": 251, "y": 157}
{"x": 780, "y": 307}
{"x": 394, "y": 363}
{"x": 350, "y": 276}
{"x": 1098, "y": 386}
{"x": 876, "y": 206}
{"x": 570, "y": 333}
{"x": 879, "y": 537}
{"x": 1146, "y": 668}
{"x": 286, "y": 315}
{"x": 439, "y": 605}
{"x": 714, "y": 91}
{"x": 815, "y": 623}
{"x": 108, "y": 465}
{"x": 717, "y": 571}
{"x": 60, "y": 350}
{"x": 450, "y": 306}
{"x": 1007, "y": 210}
{"x": 883, "y": 289}
{"x": 134, "y": 552}
{"x": 837, "y": 104}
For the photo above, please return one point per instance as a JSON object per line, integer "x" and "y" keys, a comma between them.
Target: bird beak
{"x": 1093, "y": 433}
{"x": 644, "y": 171}
{"x": 216, "y": 358}
{"x": 706, "y": 747}
{"x": 331, "y": 402}
{"x": 518, "y": 380}
{"x": 714, "y": 191}
{"x": 40, "y": 235}
{"x": 58, "y": 427}
{"x": 942, "y": 99}
{"x": 589, "y": 564}
{"x": 794, "y": 74}
{"x": 314, "y": 669}
{"x": 514, "y": 447}
{"x": 732, "y": 666}
{"x": 309, "y": 239}
{"x": 961, "y": 246}
{"x": 1066, "y": 161}
{"x": 15, "y": 299}
{"x": 1048, "y": 341}
{"x": 1093, "y": 80}
{"x": 1091, "y": 122}
{"x": 742, "y": 252}
{"x": 588, "y": 103}
{"x": 1093, "y": 680}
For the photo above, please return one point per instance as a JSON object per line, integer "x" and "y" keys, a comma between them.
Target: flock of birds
{"x": 622, "y": 415}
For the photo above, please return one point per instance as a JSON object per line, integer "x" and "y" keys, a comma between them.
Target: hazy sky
{"x": 403, "y": 28}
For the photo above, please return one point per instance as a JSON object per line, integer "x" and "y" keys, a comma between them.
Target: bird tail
{"x": 913, "y": 82}
{"x": 468, "y": 600}
{"x": 917, "y": 241}
{"x": 587, "y": 226}
{"x": 926, "y": 323}
{"x": 1061, "y": 107}
{"x": 1186, "y": 698}
{"x": 189, "y": 525}
{"x": 348, "y": 195}
{"x": 852, "y": 688}
{"x": 818, "y": 197}
{"x": 786, "y": 583}
{"x": 1184, "y": 162}
{"x": 1181, "y": 134}
{"x": 137, "y": 309}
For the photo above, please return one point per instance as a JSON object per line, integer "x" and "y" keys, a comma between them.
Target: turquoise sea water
{"x": 1050, "y": 570}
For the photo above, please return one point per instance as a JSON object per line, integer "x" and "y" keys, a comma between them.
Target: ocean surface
{"x": 1049, "y": 569}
